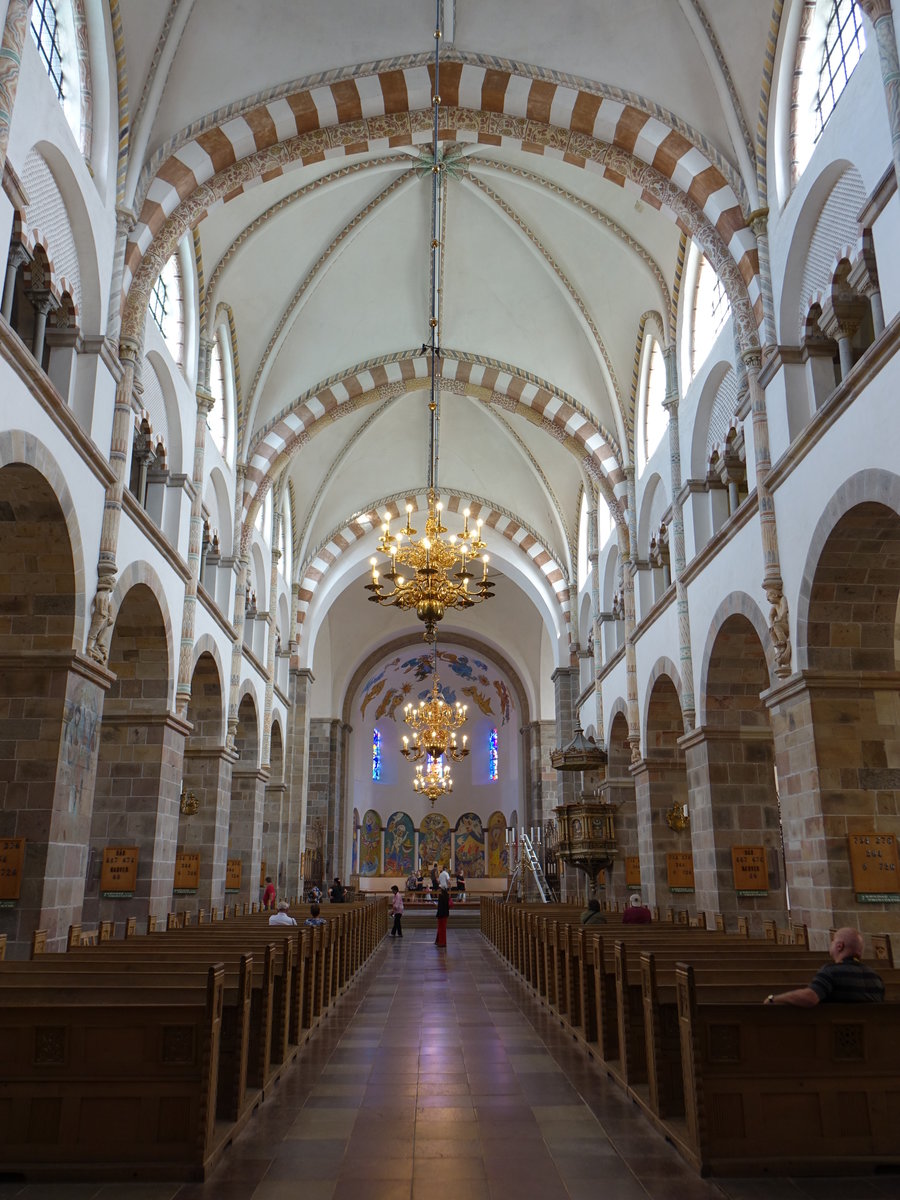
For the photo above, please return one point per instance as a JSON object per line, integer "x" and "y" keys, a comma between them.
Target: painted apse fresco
{"x": 395, "y": 842}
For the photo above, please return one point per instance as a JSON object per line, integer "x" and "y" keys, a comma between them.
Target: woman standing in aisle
{"x": 443, "y": 912}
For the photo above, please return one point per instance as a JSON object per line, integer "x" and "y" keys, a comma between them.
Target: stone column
{"x": 102, "y": 616}
{"x": 658, "y": 783}
{"x": 125, "y": 221}
{"x": 248, "y": 789}
{"x": 270, "y": 644}
{"x": 18, "y": 256}
{"x": 879, "y": 13}
{"x": 631, "y": 689}
{"x": 565, "y": 683}
{"x": 205, "y": 405}
{"x": 296, "y": 759}
{"x": 670, "y": 403}
{"x": 758, "y": 222}
{"x": 208, "y": 773}
{"x": 594, "y": 560}
{"x": 733, "y": 802}
{"x": 49, "y": 761}
{"x": 621, "y": 792}
{"x": 779, "y": 618}
{"x": 825, "y": 726}
{"x": 18, "y": 17}
{"x": 864, "y": 279}
{"x": 43, "y": 302}
{"x": 840, "y": 319}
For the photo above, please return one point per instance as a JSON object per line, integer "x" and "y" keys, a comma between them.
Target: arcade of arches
{"x": 667, "y": 384}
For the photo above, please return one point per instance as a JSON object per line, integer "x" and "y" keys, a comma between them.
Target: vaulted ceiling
{"x": 584, "y": 142}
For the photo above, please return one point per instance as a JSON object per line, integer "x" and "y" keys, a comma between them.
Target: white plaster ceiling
{"x": 551, "y": 282}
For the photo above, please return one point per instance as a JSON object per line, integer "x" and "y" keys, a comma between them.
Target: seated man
{"x": 282, "y": 917}
{"x": 845, "y": 980}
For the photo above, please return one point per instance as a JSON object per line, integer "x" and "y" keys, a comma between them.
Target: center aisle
{"x": 440, "y": 1077}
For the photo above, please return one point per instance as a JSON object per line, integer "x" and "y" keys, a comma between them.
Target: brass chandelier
{"x": 433, "y": 780}
{"x": 432, "y": 574}
{"x": 434, "y": 724}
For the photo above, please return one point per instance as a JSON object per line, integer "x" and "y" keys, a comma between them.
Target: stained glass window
{"x": 493, "y": 758}
{"x": 376, "y": 756}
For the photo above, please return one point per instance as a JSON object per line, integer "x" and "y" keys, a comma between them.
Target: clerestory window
{"x": 45, "y": 30}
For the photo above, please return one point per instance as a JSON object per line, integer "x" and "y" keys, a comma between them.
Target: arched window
{"x": 53, "y": 30}
{"x": 493, "y": 757}
{"x": 711, "y": 310}
{"x": 287, "y": 541}
{"x": 604, "y": 523}
{"x": 656, "y": 418}
{"x": 583, "y": 565}
{"x": 829, "y": 50}
{"x": 218, "y": 418}
{"x": 845, "y": 41}
{"x": 376, "y": 756}
{"x": 167, "y": 308}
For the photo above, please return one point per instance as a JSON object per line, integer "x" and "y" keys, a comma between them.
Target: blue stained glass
{"x": 494, "y": 770}
{"x": 376, "y": 756}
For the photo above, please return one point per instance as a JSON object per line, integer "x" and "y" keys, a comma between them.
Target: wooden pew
{"x": 787, "y": 1090}
{"x": 115, "y": 1080}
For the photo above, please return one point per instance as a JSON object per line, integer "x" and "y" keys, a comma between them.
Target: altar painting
{"x": 399, "y": 840}
{"x": 434, "y": 839}
{"x": 497, "y": 850}
{"x": 469, "y": 845}
{"x": 370, "y": 844}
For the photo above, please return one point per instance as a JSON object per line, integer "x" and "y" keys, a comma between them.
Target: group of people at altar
{"x": 438, "y": 877}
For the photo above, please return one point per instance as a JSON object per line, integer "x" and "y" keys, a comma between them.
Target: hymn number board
{"x": 874, "y": 865}
{"x": 233, "y": 874}
{"x": 12, "y": 863}
{"x": 118, "y": 875}
{"x": 187, "y": 874}
{"x": 748, "y": 864}
{"x": 680, "y": 872}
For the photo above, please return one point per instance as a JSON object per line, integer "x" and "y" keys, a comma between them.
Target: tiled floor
{"x": 439, "y": 1078}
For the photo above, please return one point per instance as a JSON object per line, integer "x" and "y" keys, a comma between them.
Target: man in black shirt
{"x": 845, "y": 980}
{"x": 336, "y": 892}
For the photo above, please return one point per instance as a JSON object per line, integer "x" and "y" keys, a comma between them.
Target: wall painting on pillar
{"x": 354, "y": 856}
{"x": 469, "y": 845}
{"x": 434, "y": 839}
{"x": 398, "y": 845}
{"x": 497, "y": 853}
{"x": 370, "y": 844}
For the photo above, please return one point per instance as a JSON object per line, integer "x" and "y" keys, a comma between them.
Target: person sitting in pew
{"x": 637, "y": 913}
{"x": 314, "y": 918}
{"x": 282, "y": 917}
{"x": 845, "y": 980}
{"x": 592, "y": 914}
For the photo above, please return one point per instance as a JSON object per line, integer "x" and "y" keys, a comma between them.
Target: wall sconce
{"x": 677, "y": 817}
{"x": 189, "y": 805}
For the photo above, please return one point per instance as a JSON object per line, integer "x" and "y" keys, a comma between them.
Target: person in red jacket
{"x": 268, "y": 900}
{"x": 636, "y": 913}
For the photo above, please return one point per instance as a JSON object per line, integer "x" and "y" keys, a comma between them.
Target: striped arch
{"x": 483, "y": 379}
{"x": 327, "y": 554}
{"x": 647, "y": 318}
{"x": 633, "y": 143}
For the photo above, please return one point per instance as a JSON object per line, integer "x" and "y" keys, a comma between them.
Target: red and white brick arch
{"x": 280, "y": 440}
{"x": 637, "y": 148}
{"x": 327, "y": 555}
